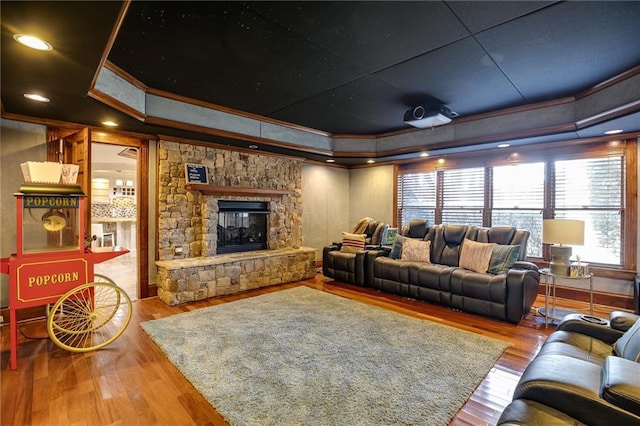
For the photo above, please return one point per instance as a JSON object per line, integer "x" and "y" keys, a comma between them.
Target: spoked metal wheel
{"x": 90, "y": 316}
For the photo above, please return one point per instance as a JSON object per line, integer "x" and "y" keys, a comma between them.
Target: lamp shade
{"x": 563, "y": 231}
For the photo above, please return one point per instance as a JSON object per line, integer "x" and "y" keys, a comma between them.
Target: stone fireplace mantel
{"x": 188, "y": 215}
{"x": 236, "y": 190}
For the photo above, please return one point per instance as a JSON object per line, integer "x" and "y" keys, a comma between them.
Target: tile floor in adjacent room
{"x": 123, "y": 271}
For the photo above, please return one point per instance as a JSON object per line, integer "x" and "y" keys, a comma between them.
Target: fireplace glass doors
{"x": 242, "y": 226}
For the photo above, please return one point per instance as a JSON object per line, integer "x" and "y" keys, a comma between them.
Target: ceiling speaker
{"x": 428, "y": 115}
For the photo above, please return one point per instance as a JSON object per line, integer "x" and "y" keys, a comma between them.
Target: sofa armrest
{"x": 361, "y": 257}
{"x": 622, "y": 320}
{"x": 325, "y": 263}
{"x": 576, "y": 324}
{"x": 572, "y": 386}
{"x": 346, "y": 267}
{"x": 522, "y": 290}
{"x": 369, "y": 263}
{"x": 523, "y": 264}
{"x": 620, "y": 384}
{"x": 384, "y": 251}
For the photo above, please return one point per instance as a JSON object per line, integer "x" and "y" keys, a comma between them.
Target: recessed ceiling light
{"x": 371, "y": 161}
{"x": 441, "y": 160}
{"x": 330, "y": 160}
{"x": 613, "y": 132}
{"x": 32, "y": 42}
{"x": 424, "y": 154}
{"x": 253, "y": 146}
{"x": 110, "y": 123}
{"x": 36, "y": 97}
{"x": 504, "y": 145}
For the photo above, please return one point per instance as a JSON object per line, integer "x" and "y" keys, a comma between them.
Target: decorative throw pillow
{"x": 475, "y": 256}
{"x": 391, "y": 236}
{"x": 416, "y": 250}
{"x": 502, "y": 258}
{"x": 352, "y": 243}
{"x": 396, "y": 249}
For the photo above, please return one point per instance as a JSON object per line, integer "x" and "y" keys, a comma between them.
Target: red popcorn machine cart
{"x": 53, "y": 266}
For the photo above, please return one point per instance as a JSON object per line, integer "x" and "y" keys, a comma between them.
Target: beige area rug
{"x": 305, "y": 357}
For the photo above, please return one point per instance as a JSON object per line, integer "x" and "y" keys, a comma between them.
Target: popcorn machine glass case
{"x": 51, "y": 219}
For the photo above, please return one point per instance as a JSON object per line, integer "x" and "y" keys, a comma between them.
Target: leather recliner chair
{"x": 587, "y": 372}
{"x": 349, "y": 267}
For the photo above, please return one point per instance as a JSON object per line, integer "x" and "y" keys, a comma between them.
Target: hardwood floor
{"x": 131, "y": 382}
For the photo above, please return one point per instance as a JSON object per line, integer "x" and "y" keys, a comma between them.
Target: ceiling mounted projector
{"x": 429, "y": 115}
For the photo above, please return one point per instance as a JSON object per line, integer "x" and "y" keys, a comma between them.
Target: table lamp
{"x": 562, "y": 231}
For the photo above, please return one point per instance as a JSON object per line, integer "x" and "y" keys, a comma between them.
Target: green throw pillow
{"x": 502, "y": 258}
{"x": 396, "y": 250}
{"x": 391, "y": 236}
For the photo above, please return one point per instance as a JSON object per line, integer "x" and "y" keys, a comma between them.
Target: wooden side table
{"x": 550, "y": 289}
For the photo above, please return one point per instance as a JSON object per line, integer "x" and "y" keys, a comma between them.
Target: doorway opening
{"x": 114, "y": 211}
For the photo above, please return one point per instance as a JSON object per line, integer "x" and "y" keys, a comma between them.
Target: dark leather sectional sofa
{"x": 507, "y": 296}
{"x": 585, "y": 373}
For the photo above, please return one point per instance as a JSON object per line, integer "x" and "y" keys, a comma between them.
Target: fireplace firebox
{"x": 242, "y": 226}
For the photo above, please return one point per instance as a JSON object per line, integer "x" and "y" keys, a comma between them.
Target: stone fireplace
{"x": 188, "y": 217}
{"x": 193, "y": 224}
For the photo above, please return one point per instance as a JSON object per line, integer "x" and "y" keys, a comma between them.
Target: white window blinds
{"x": 463, "y": 196}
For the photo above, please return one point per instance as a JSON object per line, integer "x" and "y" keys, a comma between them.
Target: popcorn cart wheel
{"x": 90, "y": 316}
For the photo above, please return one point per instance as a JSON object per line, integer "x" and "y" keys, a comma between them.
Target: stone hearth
{"x": 188, "y": 280}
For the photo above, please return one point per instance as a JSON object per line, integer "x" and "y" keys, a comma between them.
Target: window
{"x": 463, "y": 196}
{"x": 518, "y": 200}
{"x": 591, "y": 190}
{"x": 416, "y": 197}
{"x": 577, "y": 182}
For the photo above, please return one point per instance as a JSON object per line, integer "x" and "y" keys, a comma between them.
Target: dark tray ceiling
{"x": 339, "y": 67}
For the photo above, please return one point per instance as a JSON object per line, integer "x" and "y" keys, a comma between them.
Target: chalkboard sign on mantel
{"x": 196, "y": 173}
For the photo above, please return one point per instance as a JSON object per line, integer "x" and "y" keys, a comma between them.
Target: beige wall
{"x": 334, "y": 199}
{"x": 19, "y": 142}
{"x": 325, "y": 205}
{"x": 371, "y": 194}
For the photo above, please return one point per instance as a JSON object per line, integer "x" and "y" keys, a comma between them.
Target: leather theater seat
{"x": 349, "y": 267}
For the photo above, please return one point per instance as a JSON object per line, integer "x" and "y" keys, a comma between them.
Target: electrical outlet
{"x": 178, "y": 250}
